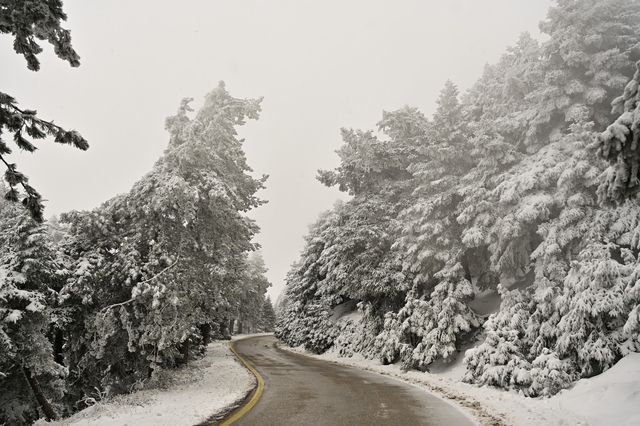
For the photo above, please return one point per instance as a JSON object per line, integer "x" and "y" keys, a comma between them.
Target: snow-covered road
{"x": 300, "y": 390}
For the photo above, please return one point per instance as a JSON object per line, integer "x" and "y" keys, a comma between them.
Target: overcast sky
{"x": 320, "y": 65}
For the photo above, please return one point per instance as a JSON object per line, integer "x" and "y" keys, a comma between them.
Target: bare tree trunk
{"x": 44, "y": 404}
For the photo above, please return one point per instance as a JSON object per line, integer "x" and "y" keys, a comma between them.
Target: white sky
{"x": 320, "y": 65}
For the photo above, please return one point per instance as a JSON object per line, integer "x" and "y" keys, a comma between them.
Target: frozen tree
{"x": 251, "y": 300}
{"x": 430, "y": 240}
{"x": 619, "y": 145}
{"x": 268, "y": 316}
{"x": 348, "y": 255}
{"x": 592, "y": 309}
{"x": 549, "y": 374}
{"x": 585, "y": 61}
{"x": 500, "y": 360}
{"x": 304, "y": 318}
{"x": 445, "y": 318}
{"x": 156, "y": 271}
{"x": 28, "y": 370}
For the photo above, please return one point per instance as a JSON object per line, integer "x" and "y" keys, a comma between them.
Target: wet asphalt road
{"x": 300, "y": 390}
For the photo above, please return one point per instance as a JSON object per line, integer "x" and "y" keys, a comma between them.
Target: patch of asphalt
{"x": 468, "y": 405}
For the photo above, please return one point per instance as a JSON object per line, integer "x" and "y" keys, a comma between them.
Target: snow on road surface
{"x": 612, "y": 398}
{"x": 191, "y": 395}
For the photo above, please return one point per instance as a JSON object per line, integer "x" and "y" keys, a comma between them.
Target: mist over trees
{"x": 504, "y": 228}
{"x": 502, "y": 193}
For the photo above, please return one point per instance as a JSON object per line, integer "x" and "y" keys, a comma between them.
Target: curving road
{"x": 301, "y": 390}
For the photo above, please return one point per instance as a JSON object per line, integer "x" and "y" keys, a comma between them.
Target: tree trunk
{"x": 44, "y": 404}
{"x": 58, "y": 344}
{"x": 465, "y": 266}
{"x": 205, "y": 332}
{"x": 185, "y": 351}
{"x": 232, "y": 323}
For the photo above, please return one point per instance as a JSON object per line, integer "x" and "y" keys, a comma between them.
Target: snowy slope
{"x": 194, "y": 393}
{"x": 611, "y": 398}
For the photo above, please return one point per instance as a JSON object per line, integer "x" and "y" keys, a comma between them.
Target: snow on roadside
{"x": 611, "y": 398}
{"x": 192, "y": 394}
{"x": 490, "y": 406}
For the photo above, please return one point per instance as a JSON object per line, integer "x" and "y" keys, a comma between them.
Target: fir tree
{"x": 160, "y": 269}
{"x": 28, "y": 370}
{"x": 268, "y": 316}
{"x": 618, "y": 144}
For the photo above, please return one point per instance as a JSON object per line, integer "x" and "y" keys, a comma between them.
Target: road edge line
{"x": 241, "y": 411}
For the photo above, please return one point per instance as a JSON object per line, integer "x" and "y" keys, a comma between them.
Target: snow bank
{"x": 193, "y": 394}
{"x": 492, "y": 406}
{"x": 611, "y": 398}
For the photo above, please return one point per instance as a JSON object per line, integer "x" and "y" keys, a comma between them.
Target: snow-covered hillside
{"x": 611, "y": 398}
{"x": 495, "y": 219}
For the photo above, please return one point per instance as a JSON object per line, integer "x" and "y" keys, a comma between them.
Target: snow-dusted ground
{"x": 188, "y": 395}
{"x": 612, "y": 398}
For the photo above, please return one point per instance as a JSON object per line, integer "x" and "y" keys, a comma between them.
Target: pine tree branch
{"x": 107, "y": 308}
{"x": 35, "y": 207}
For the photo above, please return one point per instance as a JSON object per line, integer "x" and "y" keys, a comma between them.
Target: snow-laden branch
{"x": 107, "y": 308}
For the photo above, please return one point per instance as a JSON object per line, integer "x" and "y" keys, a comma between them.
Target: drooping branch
{"x": 106, "y": 309}
{"x": 18, "y": 121}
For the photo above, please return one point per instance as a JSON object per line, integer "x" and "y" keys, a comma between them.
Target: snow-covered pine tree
{"x": 618, "y": 144}
{"x": 268, "y": 316}
{"x": 430, "y": 240}
{"x": 444, "y": 318}
{"x": 250, "y": 303}
{"x": 30, "y": 377}
{"x": 348, "y": 256}
{"x": 585, "y": 62}
{"x": 500, "y": 360}
{"x": 157, "y": 269}
{"x": 304, "y": 317}
{"x": 593, "y": 310}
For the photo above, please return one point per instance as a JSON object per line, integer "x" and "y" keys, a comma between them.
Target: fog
{"x": 320, "y": 65}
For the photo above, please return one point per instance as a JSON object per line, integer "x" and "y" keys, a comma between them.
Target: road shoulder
{"x": 202, "y": 390}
